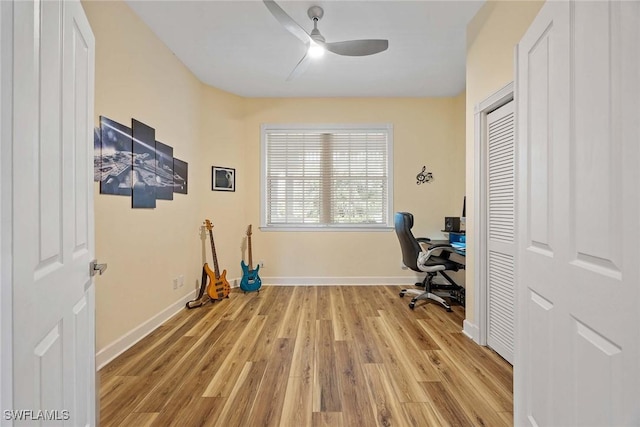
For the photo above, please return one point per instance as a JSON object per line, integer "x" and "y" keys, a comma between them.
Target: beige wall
{"x": 138, "y": 77}
{"x": 492, "y": 36}
{"x": 426, "y": 132}
{"x": 223, "y": 144}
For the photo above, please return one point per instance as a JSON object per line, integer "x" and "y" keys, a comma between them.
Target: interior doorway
{"x": 494, "y": 239}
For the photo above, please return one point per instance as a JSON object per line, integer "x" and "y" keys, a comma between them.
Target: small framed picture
{"x": 223, "y": 179}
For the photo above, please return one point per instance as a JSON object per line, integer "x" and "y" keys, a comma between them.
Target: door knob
{"x": 94, "y": 268}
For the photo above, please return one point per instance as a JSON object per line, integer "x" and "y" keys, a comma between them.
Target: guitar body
{"x": 250, "y": 280}
{"x": 218, "y": 287}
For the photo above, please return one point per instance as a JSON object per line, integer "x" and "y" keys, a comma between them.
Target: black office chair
{"x": 433, "y": 260}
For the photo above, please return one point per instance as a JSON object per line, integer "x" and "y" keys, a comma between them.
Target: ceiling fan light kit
{"x": 315, "y": 42}
{"x": 315, "y": 50}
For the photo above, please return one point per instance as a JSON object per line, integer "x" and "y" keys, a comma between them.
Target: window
{"x": 326, "y": 176}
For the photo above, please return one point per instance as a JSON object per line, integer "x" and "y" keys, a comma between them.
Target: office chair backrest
{"x": 408, "y": 243}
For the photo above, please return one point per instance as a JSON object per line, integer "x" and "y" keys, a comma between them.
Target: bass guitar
{"x": 250, "y": 280}
{"x": 218, "y": 285}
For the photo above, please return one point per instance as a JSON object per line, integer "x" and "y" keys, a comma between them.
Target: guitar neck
{"x": 250, "y": 258}
{"x": 215, "y": 256}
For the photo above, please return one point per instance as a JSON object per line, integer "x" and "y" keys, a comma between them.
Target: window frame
{"x": 327, "y": 128}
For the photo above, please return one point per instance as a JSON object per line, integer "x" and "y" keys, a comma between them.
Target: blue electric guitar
{"x": 250, "y": 280}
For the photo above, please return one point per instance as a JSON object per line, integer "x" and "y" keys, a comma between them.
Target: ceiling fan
{"x": 315, "y": 42}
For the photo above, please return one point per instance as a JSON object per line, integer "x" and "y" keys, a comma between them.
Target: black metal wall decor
{"x": 130, "y": 162}
{"x": 424, "y": 176}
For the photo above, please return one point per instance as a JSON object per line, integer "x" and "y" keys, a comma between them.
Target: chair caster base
{"x": 401, "y": 294}
{"x": 412, "y": 305}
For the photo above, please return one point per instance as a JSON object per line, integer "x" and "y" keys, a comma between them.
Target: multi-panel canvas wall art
{"x": 129, "y": 161}
{"x": 116, "y": 158}
{"x": 164, "y": 171}
{"x": 180, "y": 173}
{"x": 144, "y": 165}
{"x": 97, "y": 161}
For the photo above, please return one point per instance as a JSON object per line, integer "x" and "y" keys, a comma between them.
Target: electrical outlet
{"x": 261, "y": 264}
{"x": 175, "y": 284}
{"x": 181, "y": 280}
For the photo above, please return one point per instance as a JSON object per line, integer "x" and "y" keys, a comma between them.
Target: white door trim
{"x": 6, "y": 208}
{"x": 498, "y": 99}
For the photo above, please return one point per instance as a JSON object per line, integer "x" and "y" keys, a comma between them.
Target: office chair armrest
{"x": 439, "y": 247}
{"x": 423, "y": 240}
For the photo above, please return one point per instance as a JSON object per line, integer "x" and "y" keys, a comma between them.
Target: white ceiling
{"x": 238, "y": 46}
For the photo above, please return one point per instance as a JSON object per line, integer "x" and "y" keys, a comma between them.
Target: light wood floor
{"x": 309, "y": 356}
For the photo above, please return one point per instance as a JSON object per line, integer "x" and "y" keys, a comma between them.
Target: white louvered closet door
{"x": 501, "y": 247}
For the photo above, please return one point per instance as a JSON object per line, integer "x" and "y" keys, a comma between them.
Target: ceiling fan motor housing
{"x": 315, "y": 13}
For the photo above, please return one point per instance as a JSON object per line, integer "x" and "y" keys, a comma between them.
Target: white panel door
{"x": 578, "y": 101}
{"x": 53, "y": 237}
{"x": 501, "y": 245}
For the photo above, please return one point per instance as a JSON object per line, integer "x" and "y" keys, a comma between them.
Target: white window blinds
{"x": 319, "y": 178}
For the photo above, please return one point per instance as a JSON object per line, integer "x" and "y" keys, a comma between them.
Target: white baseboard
{"x": 125, "y": 342}
{"x": 471, "y": 330}
{"x": 311, "y": 281}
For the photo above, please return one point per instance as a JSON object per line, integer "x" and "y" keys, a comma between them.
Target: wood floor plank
{"x": 411, "y": 350}
{"x": 140, "y": 419}
{"x": 164, "y": 344}
{"x": 209, "y": 315}
{"x": 123, "y": 361}
{"x": 359, "y": 329}
{"x": 289, "y": 325}
{"x": 274, "y": 383}
{"x": 297, "y": 406}
{"x": 131, "y": 396}
{"x": 340, "y": 317}
{"x": 112, "y": 409}
{"x": 233, "y": 360}
{"x": 302, "y": 362}
{"x": 326, "y": 388}
{"x": 309, "y": 356}
{"x": 159, "y": 396}
{"x": 327, "y": 419}
{"x": 239, "y": 405}
{"x": 404, "y": 383}
{"x": 420, "y": 414}
{"x": 473, "y": 401}
{"x": 507, "y": 417}
{"x": 448, "y": 410}
{"x": 363, "y": 297}
{"x": 323, "y": 303}
{"x": 499, "y": 395}
{"x": 356, "y": 407}
{"x": 388, "y": 410}
{"x": 200, "y": 411}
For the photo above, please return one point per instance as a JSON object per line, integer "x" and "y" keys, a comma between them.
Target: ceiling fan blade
{"x": 286, "y": 21}
{"x": 300, "y": 67}
{"x": 357, "y": 47}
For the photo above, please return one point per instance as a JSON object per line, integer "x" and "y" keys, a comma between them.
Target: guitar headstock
{"x": 249, "y": 231}
{"x": 208, "y": 224}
